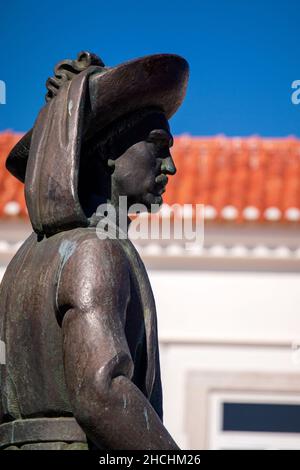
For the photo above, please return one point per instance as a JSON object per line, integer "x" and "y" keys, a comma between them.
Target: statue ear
{"x": 51, "y": 184}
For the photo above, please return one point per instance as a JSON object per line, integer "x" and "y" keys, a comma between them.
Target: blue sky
{"x": 243, "y": 55}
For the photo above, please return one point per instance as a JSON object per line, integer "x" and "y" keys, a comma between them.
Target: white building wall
{"x": 223, "y": 322}
{"x": 244, "y": 307}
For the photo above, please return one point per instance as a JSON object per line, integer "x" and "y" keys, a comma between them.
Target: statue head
{"x": 103, "y": 133}
{"x": 132, "y": 158}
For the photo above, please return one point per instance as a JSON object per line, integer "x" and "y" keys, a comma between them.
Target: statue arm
{"x": 93, "y": 295}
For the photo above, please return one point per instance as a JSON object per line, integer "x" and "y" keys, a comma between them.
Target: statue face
{"x": 141, "y": 171}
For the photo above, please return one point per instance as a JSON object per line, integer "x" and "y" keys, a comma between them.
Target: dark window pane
{"x": 261, "y": 417}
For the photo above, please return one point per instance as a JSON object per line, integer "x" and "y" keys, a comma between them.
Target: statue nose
{"x": 168, "y": 166}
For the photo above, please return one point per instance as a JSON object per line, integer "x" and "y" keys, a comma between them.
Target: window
{"x": 254, "y": 421}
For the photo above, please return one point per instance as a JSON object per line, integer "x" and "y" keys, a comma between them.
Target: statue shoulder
{"x": 84, "y": 244}
{"x": 91, "y": 270}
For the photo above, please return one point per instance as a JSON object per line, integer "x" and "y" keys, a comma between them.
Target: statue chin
{"x": 152, "y": 202}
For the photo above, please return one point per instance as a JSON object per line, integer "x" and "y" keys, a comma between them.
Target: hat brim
{"x": 157, "y": 80}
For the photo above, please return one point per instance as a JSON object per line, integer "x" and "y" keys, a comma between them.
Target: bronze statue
{"x": 77, "y": 313}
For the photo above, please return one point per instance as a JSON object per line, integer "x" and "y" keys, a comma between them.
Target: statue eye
{"x": 160, "y": 138}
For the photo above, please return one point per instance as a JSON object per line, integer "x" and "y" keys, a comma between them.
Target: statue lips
{"x": 159, "y": 188}
{"x": 161, "y": 183}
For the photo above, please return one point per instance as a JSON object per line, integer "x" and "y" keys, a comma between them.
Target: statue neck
{"x": 113, "y": 211}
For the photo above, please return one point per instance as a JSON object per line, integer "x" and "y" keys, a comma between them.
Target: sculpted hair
{"x": 66, "y": 69}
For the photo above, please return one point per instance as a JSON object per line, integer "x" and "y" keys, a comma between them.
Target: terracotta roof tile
{"x": 237, "y": 178}
{"x": 12, "y": 201}
{"x": 247, "y": 175}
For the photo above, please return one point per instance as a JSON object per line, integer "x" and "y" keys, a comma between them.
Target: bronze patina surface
{"x": 77, "y": 313}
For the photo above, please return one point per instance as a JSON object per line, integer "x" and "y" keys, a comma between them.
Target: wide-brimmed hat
{"x": 153, "y": 81}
